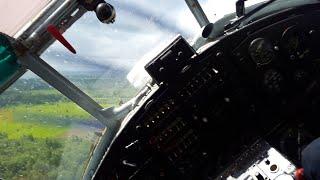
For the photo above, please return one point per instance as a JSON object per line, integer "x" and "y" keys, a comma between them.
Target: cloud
{"x": 140, "y": 26}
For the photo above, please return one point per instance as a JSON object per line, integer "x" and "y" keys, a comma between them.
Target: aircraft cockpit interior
{"x": 159, "y": 90}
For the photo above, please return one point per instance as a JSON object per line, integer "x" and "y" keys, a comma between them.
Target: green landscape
{"x": 43, "y": 135}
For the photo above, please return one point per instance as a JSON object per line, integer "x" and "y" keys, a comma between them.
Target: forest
{"x": 43, "y": 135}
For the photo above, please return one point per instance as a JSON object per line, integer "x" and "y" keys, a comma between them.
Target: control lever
{"x": 241, "y": 15}
{"x": 54, "y": 31}
{"x": 240, "y": 8}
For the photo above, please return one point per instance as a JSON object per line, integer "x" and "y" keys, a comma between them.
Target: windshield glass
{"x": 43, "y": 135}
{"x": 107, "y": 53}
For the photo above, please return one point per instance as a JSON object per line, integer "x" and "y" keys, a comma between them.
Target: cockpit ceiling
{"x": 14, "y": 14}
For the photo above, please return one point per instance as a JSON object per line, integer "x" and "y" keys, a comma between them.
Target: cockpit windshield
{"x": 43, "y": 135}
{"x": 107, "y": 53}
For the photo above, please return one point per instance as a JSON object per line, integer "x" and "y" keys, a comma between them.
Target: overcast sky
{"x": 140, "y": 26}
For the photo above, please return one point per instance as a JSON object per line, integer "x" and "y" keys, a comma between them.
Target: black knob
{"x": 105, "y": 13}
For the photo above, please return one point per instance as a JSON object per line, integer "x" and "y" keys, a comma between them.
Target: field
{"x": 43, "y": 135}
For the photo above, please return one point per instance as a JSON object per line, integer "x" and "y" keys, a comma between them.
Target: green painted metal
{"x": 8, "y": 60}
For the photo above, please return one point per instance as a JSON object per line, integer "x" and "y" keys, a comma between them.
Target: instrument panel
{"x": 210, "y": 107}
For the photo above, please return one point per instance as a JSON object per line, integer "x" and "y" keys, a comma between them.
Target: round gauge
{"x": 291, "y": 41}
{"x": 261, "y": 51}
